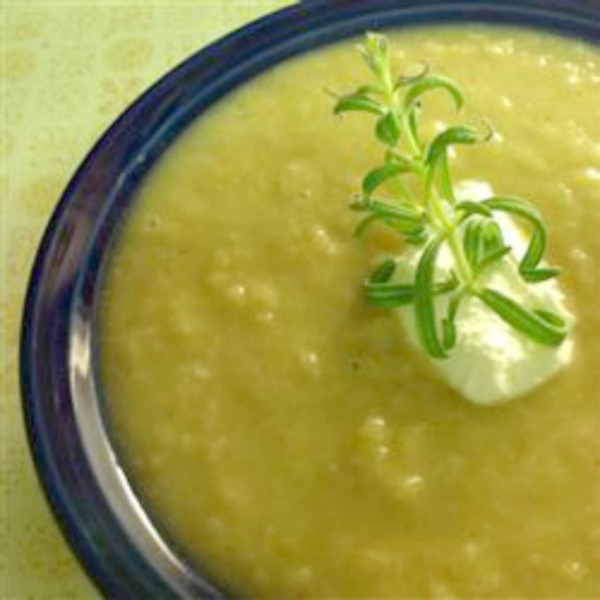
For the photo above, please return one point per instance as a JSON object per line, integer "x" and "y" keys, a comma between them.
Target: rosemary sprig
{"x": 426, "y": 212}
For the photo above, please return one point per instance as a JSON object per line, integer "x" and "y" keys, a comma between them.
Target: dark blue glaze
{"x": 67, "y": 269}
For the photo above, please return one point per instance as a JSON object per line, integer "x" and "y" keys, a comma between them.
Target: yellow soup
{"x": 287, "y": 436}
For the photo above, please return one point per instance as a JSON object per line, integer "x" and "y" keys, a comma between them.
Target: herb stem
{"x": 435, "y": 204}
{"x": 456, "y": 246}
{"x": 412, "y": 142}
{"x": 427, "y": 213}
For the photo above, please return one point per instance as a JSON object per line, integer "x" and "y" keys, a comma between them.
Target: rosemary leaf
{"x": 424, "y": 305}
{"x": 402, "y": 217}
{"x": 426, "y": 212}
{"x": 449, "y": 321}
{"x": 358, "y": 102}
{"x": 550, "y": 317}
{"x": 431, "y": 82}
{"x": 365, "y": 224}
{"x": 539, "y": 275}
{"x": 404, "y": 80}
{"x": 492, "y": 237}
{"x": 493, "y": 257}
{"x": 516, "y": 206}
{"x": 459, "y": 134}
{"x": 387, "y": 295}
{"x": 414, "y": 115}
{"x": 535, "y": 250}
{"x": 383, "y": 272}
{"x": 473, "y": 241}
{"x": 380, "y": 175}
{"x": 445, "y": 179}
{"x": 537, "y": 245}
{"x": 388, "y": 129}
{"x": 540, "y": 328}
{"x": 468, "y": 208}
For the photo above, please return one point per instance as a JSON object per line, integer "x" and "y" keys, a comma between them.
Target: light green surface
{"x": 68, "y": 69}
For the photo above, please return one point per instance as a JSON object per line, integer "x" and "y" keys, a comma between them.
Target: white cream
{"x": 493, "y": 363}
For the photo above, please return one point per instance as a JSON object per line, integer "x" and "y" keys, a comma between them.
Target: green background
{"x": 68, "y": 69}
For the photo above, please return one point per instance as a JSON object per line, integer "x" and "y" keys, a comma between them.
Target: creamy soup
{"x": 287, "y": 436}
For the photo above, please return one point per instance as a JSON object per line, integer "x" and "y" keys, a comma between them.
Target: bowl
{"x": 109, "y": 529}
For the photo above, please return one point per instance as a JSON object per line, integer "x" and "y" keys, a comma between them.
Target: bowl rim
{"x": 59, "y": 304}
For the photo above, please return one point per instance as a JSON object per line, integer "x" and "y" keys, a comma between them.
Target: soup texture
{"x": 286, "y": 436}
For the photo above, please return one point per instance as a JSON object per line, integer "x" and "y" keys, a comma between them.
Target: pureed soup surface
{"x": 286, "y": 435}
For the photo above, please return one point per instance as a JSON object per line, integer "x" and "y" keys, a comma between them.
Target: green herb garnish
{"x": 426, "y": 212}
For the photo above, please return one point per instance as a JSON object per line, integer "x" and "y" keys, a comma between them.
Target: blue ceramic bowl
{"x": 111, "y": 533}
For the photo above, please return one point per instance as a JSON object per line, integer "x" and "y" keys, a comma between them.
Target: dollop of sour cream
{"x": 492, "y": 362}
